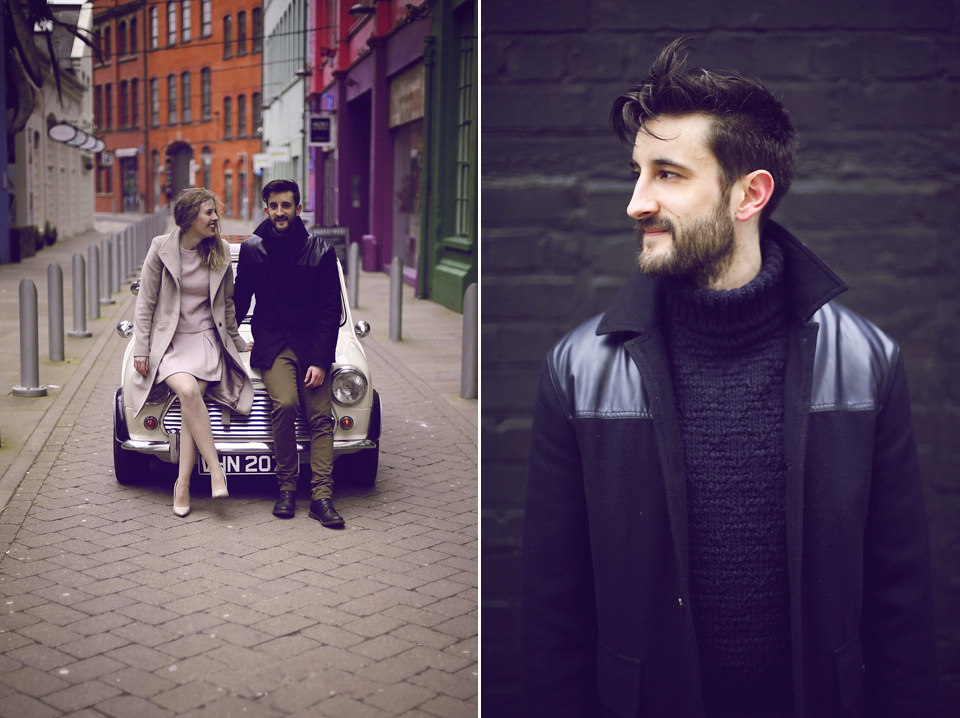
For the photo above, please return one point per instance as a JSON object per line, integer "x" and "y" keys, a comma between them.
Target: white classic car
{"x": 245, "y": 443}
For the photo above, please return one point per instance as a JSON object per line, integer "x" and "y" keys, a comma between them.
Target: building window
{"x": 154, "y": 102}
{"x": 205, "y": 93}
{"x": 154, "y": 29}
{"x": 105, "y": 50}
{"x": 206, "y": 12}
{"x": 227, "y": 116}
{"x": 108, "y": 102}
{"x": 121, "y": 38}
{"x": 98, "y": 106}
{"x": 241, "y": 186}
{"x": 465, "y": 172}
{"x": 228, "y": 193}
{"x": 207, "y": 160}
{"x": 171, "y": 23}
{"x": 133, "y": 36}
{"x": 122, "y": 106}
{"x": 257, "y": 113}
{"x": 185, "y": 94}
{"x": 227, "y": 37}
{"x": 242, "y": 116}
{"x": 185, "y": 20}
{"x": 134, "y": 103}
{"x": 171, "y": 99}
{"x": 99, "y": 179}
{"x": 241, "y": 33}
{"x": 257, "y": 39}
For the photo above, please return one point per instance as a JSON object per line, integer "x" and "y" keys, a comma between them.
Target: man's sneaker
{"x": 322, "y": 510}
{"x": 286, "y": 507}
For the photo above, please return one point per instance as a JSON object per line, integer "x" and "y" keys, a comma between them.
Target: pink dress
{"x": 195, "y": 347}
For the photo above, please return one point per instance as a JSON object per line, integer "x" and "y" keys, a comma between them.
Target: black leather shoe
{"x": 286, "y": 507}
{"x": 322, "y": 510}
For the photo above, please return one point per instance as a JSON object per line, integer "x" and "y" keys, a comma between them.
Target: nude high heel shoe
{"x": 219, "y": 493}
{"x": 180, "y": 511}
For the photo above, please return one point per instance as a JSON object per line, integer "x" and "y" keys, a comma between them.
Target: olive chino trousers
{"x": 284, "y": 382}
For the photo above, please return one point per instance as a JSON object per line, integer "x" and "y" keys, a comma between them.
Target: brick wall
{"x": 873, "y": 88}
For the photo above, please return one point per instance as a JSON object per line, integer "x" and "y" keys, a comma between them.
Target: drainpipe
{"x": 145, "y": 118}
{"x": 426, "y": 241}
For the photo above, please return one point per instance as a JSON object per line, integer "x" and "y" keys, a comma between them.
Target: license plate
{"x": 240, "y": 464}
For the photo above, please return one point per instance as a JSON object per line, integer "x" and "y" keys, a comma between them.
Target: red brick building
{"x": 177, "y": 99}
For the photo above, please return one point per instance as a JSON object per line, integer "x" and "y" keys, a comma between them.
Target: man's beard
{"x": 281, "y": 230}
{"x": 701, "y": 252}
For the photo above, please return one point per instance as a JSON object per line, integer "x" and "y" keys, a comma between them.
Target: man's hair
{"x": 282, "y": 185}
{"x": 751, "y": 129}
{"x": 186, "y": 207}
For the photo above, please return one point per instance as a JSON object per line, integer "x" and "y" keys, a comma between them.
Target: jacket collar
{"x": 297, "y": 230}
{"x": 810, "y": 285}
{"x": 169, "y": 252}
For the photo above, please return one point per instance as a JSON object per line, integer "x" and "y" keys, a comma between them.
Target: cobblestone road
{"x": 112, "y": 606}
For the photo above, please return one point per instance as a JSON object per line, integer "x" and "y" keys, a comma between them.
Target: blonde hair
{"x": 186, "y": 207}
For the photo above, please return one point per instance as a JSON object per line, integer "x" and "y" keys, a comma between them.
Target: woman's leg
{"x": 195, "y": 428}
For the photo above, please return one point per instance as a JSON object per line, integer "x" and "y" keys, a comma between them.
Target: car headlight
{"x": 348, "y": 385}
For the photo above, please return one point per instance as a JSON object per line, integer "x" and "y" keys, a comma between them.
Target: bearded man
{"x": 295, "y": 323}
{"x": 724, "y": 510}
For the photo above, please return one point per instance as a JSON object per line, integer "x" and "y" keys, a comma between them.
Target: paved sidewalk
{"x": 114, "y": 607}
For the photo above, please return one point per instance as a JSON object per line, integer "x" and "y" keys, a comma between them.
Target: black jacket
{"x": 607, "y": 616}
{"x": 297, "y": 290}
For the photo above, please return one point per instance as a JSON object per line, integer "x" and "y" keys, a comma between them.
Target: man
{"x": 724, "y": 510}
{"x": 295, "y": 323}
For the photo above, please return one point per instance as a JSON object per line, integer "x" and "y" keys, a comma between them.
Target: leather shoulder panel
{"x": 853, "y": 364}
{"x": 595, "y": 376}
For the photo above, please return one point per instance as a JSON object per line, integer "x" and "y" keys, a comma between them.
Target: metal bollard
{"x": 115, "y": 263}
{"x": 396, "y": 298}
{"x": 55, "y": 311}
{"x": 29, "y": 343}
{"x": 124, "y": 255}
{"x": 469, "y": 374}
{"x": 93, "y": 281}
{"x": 105, "y": 292}
{"x": 79, "y": 298}
{"x": 353, "y": 275}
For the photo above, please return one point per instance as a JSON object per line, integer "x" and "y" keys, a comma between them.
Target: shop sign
{"x": 406, "y": 96}
{"x": 261, "y": 160}
{"x": 279, "y": 154}
{"x": 320, "y": 132}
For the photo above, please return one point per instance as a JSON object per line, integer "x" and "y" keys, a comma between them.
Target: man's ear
{"x": 757, "y": 190}
{"x": 266, "y": 211}
{"x": 299, "y": 207}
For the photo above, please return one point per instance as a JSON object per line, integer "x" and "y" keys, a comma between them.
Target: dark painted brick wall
{"x": 874, "y": 89}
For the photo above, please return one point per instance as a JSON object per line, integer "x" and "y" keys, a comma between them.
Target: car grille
{"x": 256, "y": 426}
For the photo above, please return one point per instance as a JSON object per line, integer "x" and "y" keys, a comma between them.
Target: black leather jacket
{"x": 298, "y": 296}
{"x": 607, "y": 620}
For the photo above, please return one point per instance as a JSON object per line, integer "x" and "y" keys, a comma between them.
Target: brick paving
{"x": 112, "y": 606}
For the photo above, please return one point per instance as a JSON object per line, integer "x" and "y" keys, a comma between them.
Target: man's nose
{"x": 642, "y": 201}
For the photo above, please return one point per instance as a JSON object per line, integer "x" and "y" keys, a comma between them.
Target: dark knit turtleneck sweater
{"x": 728, "y": 350}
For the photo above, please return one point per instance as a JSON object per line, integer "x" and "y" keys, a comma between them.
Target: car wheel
{"x": 358, "y": 469}
{"x": 128, "y": 466}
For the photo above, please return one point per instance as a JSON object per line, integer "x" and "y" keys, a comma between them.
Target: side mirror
{"x": 361, "y": 329}
{"x": 135, "y": 288}
{"x": 125, "y": 328}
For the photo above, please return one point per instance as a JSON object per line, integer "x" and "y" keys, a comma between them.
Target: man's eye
{"x": 667, "y": 174}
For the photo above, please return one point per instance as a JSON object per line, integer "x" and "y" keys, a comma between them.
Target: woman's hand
{"x": 141, "y": 364}
{"x": 248, "y": 348}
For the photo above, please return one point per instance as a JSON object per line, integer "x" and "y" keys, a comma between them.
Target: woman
{"x": 186, "y": 333}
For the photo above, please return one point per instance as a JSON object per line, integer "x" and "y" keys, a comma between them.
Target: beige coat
{"x": 158, "y": 313}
